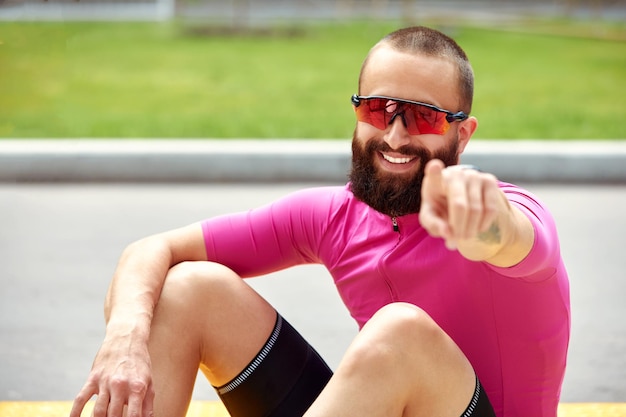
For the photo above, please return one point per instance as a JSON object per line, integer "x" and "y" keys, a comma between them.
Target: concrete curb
{"x": 212, "y": 160}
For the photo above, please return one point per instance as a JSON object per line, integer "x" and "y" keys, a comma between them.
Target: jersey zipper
{"x": 381, "y": 263}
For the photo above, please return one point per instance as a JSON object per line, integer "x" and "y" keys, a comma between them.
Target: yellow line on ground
{"x": 62, "y": 409}
{"x": 216, "y": 409}
{"x": 592, "y": 410}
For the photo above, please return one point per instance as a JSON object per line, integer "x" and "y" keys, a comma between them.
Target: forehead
{"x": 417, "y": 77}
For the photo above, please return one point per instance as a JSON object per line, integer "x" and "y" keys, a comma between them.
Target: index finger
{"x": 433, "y": 211}
{"x": 85, "y": 394}
{"x": 433, "y": 177}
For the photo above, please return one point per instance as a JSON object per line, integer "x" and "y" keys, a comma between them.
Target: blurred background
{"x": 270, "y": 69}
{"x": 286, "y": 69}
{"x": 242, "y": 12}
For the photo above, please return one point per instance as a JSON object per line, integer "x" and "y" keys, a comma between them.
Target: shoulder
{"x": 315, "y": 198}
{"x": 321, "y": 208}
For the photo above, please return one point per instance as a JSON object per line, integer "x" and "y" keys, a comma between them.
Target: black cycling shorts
{"x": 287, "y": 375}
{"x": 479, "y": 406}
{"x": 283, "y": 380}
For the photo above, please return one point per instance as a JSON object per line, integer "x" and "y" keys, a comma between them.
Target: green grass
{"x": 158, "y": 80}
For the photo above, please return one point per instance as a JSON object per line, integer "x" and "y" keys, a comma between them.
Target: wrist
{"x": 136, "y": 329}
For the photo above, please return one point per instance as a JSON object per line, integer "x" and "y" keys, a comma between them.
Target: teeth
{"x": 396, "y": 160}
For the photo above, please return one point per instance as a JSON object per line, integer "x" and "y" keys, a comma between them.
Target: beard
{"x": 393, "y": 194}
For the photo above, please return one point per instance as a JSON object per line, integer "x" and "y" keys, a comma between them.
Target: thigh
{"x": 400, "y": 364}
{"x": 208, "y": 316}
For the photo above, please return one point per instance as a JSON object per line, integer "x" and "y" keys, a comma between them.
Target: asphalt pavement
{"x": 60, "y": 242}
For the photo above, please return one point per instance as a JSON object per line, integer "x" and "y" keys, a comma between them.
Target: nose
{"x": 397, "y": 135}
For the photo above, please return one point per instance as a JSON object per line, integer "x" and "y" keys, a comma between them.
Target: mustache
{"x": 408, "y": 150}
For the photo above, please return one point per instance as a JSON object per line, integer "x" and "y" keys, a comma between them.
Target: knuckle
{"x": 81, "y": 398}
{"x": 489, "y": 179}
{"x": 475, "y": 207}
{"x": 134, "y": 413}
{"x": 137, "y": 386}
{"x": 88, "y": 390}
{"x": 458, "y": 204}
{"x": 490, "y": 205}
{"x": 99, "y": 409}
{"x": 118, "y": 382}
{"x": 427, "y": 223}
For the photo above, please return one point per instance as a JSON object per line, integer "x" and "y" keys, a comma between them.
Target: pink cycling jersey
{"x": 512, "y": 323}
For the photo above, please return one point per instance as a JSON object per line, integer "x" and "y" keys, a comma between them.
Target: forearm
{"x": 506, "y": 241}
{"x": 122, "y": 370}
{"x": 136, "y": 287}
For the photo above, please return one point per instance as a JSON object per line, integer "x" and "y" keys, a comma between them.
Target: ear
{"x": 465, "y": 131}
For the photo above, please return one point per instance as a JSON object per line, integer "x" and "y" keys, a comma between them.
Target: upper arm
{"x": 284, "y": 233}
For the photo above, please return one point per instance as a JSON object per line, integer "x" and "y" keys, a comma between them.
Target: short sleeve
{"x": 284, "y": 233}
{"x": 545, "y": 257}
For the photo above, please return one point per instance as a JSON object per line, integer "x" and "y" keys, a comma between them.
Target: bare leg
{"x": 400, "y": 364}
{"x": 206, "y": 317}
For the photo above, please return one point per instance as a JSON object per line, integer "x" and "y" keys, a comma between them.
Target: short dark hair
{"x": 430, "y": 42}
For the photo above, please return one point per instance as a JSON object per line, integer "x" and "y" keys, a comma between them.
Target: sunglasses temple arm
{"x": 458, "y": 116}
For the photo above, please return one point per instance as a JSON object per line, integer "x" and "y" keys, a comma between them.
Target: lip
{"x": 395, "y": 162}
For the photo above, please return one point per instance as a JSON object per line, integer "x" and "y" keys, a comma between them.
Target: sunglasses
{"x": 418, "y": 118}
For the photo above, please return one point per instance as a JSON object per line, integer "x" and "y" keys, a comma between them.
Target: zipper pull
{"x": 394, "y": 221}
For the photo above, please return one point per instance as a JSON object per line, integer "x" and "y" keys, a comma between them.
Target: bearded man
{"x": 454, "y": 278}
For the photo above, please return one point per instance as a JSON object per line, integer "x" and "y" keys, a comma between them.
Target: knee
{"x": 403, "y": 322}
{"x": 190, "y": 285}
{"x": 396, "y": 333}
{"x": 403, "y": 345}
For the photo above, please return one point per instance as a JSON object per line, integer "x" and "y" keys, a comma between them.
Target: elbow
{"x": 152, "y": 247}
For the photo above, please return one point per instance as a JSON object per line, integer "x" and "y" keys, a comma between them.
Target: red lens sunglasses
{"x": 418, "y": 118}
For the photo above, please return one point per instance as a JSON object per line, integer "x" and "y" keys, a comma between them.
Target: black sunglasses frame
{"x": 450, "y": 116}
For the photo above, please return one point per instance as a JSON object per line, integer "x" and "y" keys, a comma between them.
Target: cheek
{"x": 368, "y": 139}
{"x": 365, "y": 131}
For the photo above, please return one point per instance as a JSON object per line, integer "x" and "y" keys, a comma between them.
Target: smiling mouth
{"x": 402, "y": 160}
